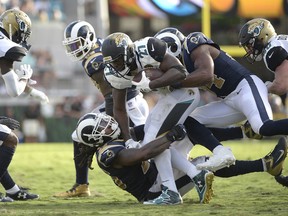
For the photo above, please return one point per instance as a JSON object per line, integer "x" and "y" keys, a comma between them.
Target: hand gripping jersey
{"x": 227, "y": 71}
{"x": 149, "y": 53}
{"x": 276, "y": 52}
{"x": 136, "y": 179}
{"x": 11, "y": 50}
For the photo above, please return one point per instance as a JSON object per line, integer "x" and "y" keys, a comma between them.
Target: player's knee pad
{"x": 11, "y": 141}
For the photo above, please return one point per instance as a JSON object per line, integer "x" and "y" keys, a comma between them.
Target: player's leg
{"x": 8, "y": 144}
{"x": 81, "y": 185}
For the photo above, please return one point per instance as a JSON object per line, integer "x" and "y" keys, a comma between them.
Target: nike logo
{"x": 152, "y": 48}
{"x": 239, "y": 91}
{"x": 280, "y": 156}
{"x": 270, "y": 55}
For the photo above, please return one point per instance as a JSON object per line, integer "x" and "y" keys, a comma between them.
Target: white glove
{"x": 268, "y": 84}
{"x": 132, "y": 144}
{"x": 32, "y": 82}
{"x": 39, "y": 95}
{"x": 143, "y": 84}
{"x": 25, "y": 72}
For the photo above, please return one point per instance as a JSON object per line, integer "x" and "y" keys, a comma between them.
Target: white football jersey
{"x": 6, "y": 44}
{"x": 271, "y": 53}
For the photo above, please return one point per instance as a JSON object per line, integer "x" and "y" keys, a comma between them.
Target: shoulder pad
{"x": 156, "y": 48}
{"x": 93, "y": 64}
{"x": 107, "y": 153}
{"x": 274, "y": 57}
{"x": 16, "y": 53}
{"x": 195, "y": 39}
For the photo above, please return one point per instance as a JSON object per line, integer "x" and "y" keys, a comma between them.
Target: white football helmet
{"x": 174, "y": 40}
{"x": 79, "y": 38}
{"x": 96, "y": 129}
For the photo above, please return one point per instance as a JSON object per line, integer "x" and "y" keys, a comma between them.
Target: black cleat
{"x": 275, "y": 159}
{"x": 5, "y": 199}
{"x": 22, "y": 195}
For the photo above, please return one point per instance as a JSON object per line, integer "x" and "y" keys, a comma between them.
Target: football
{"x": 151, "y": 73}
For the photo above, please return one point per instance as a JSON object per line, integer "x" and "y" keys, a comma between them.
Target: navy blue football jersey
{"x": 136, "y": 179}
{"x": 94, "y": 62}
{"x": 227, "y": 71}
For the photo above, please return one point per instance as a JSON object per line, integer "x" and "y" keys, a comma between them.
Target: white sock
{"x": 13, "y": 190}
{"x": 181, "y": 163}
{"x": 164, "y": 167}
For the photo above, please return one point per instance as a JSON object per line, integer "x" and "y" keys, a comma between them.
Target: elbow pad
{"x": 14, "y": 87}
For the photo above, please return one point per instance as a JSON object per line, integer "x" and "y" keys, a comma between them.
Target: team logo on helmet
{"x": 256, "y": 28}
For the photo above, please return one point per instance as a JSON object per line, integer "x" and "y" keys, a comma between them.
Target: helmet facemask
{"x": 96, "y": 129}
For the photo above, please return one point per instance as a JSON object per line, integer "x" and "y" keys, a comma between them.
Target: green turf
{"x": 48, "y": 168}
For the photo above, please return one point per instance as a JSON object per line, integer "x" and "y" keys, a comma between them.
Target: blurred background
{"x": 71, "y": 92}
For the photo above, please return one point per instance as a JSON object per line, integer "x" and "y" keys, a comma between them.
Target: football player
{"x": 235, "y": 86}
{"x": 81, "y": 44}
{"x": 128, "y": 60}
{"x": 261, "y": 42}
{"x": 15, "y": 30}
{"x": 131, "y": 170}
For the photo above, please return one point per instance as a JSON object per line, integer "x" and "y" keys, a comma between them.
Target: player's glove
{"x": 9, "y": 122}
{"x": 132, "y": 144}
{"x": 39, "y": 95}
{"x": 143, "y": 84}
{"x": 282, "y": 180}
{"x": 177, "y": 133}
{"x": 25, "y": 72}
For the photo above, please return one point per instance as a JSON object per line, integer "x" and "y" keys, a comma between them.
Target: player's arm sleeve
{"x": 275, "y": 56}
{"x": 14, "y": 86}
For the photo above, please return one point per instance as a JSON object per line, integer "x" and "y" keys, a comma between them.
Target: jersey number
{"x": 218, "y": 82}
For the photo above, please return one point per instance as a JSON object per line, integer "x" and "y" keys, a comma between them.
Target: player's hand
{"x": 9, "y": 122}
{"x": 132, "y": 144}
{"x": 268, "y": 84}
{"x": 39, "y": 95}
{"x": 143, "y": 84}
{"x": 177, "y": 133}
{"x": 25, "y": 72}
{"x": 32, "y": 82}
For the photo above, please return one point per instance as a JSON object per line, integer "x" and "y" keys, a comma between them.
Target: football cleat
{"x": 78, "y": 190}
{"x": 203, "y": 184}
{"x": 5, "y": 198}
{"x": 249, "y": 133}
{"x": 275, "y": 159}
{"x": 167, "y": 197}
{"x": 223, "y": 157}
{"x": 22, "y": 195}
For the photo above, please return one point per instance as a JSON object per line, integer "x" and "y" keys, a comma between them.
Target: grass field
{"x": 48, "y": 168}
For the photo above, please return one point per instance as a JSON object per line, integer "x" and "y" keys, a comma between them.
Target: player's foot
{"x": 78, "y": 190}
{"x": 22, "y": 195}
{"x": 249, "y": 133}
{"x": 168, "y": 197}
{"x": 222, "y": 157}
{"x": 5, "y": 198}
{"x": 203, "y": 184}
{"x": 274, "y": 161}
